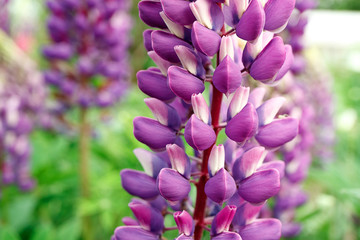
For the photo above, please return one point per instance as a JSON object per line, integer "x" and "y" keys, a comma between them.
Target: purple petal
{"x": 149, "y": 218}
{"x": 269, "y": 61}
{"x": 154, "y": 84}
{"x": 164, "y": 113}
{"x": 138, "y": 184}
{"x": 222, "y": 220}
{"x": 149, "y": 12}
{"x": 246, "y": 213}
{"x": 220, "y": 187}
{"x": 227, "y": 76}
{"x": 233, "y": 12}
{"x": 128, "y": 221}
{"x": 184, "y": 222}
{"x": 172, "y": 186}
{"x": 268, "y": 110}
{"x": 178, "y": 11}
{"x": 147, "y": 39}
{"x": 191, "y": 61}
{"x": 178, "y": 30}
{"x": 227, "y": 236}
{"x": 278, "y": 132}
{"x": 184, "y": 237}
{"x": 199, "y": 135}
{"x": 216, "y": 159}
{"x": 243, "y": 125}
{"x": 151, "y": 163}
{"x": 289, "y": 60}
{"x": 163, "y": 44}
{"x": 277, "y": 164}
{"x": 200, "y": 107}
{"x": 277, "y": 14}
{"x": 184, "y": 84}
{"x": 179, "y": 160}
{"x": 260, "y": 229}
{"x": 133, "y": 232}
{"x": 200, "y": 36}
{"x": 260, "y": 186}
{"x": 153, "y": 133}
{"x": 252, "y": 22}
{"x": 256, "y": 96}
{"x": 247, "y": 164}
{"x": 238, "y": 102}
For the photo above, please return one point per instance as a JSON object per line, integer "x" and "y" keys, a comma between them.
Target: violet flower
{"x": 190, "y": 37}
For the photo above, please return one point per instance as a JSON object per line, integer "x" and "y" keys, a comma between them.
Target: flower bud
{"x": 222, "y": 220}
{"x": 138, "y": 184}
{"x": 248, "y": 163}
{"x": 184, "y": 222}
{"x": 183, "y": 84}
{"x": 252, "y": 22}
{"x": 172, "y": 186}
{"x": 220, "y": 187}
{"x": 227, "y": 76}
{"x": 151, "y": 163}
{"x": 216, "y": 159}
{"x": 278, "y": 132}
{"x": 244, "y": 125}
{"x": 153, "y": 133}
{"x": 226, "y": 48}
{"x": 175, "y": 28}
{"x": 164, "y": 113}
{"x": 200, "y": 108}
{"x": 238, "y": 101}
{"x": 179, "y": 160}
{"x": 200, "y": 36}
{"x": 260, "y": 186}
{"x": 199, "y": 135}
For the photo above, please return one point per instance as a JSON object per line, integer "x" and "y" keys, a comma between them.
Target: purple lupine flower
{"x": 88, "y": 32}
{"x": 22, "y": 94}
{"x": 190, "y": 37}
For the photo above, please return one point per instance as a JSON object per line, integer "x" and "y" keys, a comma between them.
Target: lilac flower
{"x": 190, "y": 37}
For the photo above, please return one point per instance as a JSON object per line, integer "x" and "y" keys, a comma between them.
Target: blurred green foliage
{"x": 339, "y": 4}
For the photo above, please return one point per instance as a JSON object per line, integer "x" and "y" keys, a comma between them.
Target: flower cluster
{"x": 232, "y": 180}
{"x": 88, "y": 54}
{"x": 22, "y": 94}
